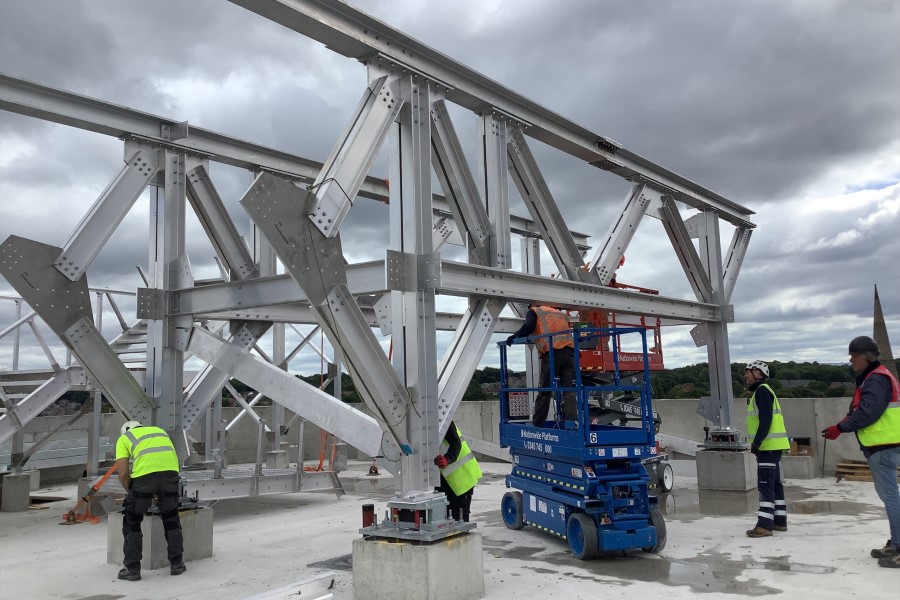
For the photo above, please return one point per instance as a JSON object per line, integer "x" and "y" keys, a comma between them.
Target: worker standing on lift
{"x": 539, "y": 321}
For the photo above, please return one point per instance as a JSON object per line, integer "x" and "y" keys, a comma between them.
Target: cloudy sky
{"x": 790, "y": 108}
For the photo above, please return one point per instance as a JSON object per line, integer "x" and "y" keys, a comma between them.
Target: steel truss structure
{"x": 298, "y": 207}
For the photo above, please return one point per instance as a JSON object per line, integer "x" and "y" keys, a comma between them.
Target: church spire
{"x": 880, "y": 335}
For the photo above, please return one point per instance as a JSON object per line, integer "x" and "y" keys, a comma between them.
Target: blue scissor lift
{"x": 580, "y": 481}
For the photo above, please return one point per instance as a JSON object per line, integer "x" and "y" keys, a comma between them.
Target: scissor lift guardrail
{"x": 581, "y": 481}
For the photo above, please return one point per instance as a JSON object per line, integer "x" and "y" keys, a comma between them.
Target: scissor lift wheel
{"x": 511, "y": 508}
{"x": 666, "y": 476}
{"x": 582, "y": 534}
{"x": 656, "y": 519}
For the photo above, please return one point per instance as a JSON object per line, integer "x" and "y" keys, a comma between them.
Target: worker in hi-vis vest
{"x": 459, "y": 473}
{"x": 874, "y": 416}
{"x": 541, "y": 320}
{"x": 154, "y": 472}
{"x": 768, "y": 440}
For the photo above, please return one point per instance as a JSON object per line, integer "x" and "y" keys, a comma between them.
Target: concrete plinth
{"x": 723, "y": 470}
{"x": 451, "y": 569}
{"x": 798, "y": 467}
{"x": 277, "y": 459}
{"x": 35, "y": 479}
{"x": 15, "y": 495}
{"x": 196, "y": 523}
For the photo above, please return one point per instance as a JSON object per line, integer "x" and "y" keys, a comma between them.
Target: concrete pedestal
{"x": 277, "y": 459}
{"x": 196, "y": 523}
{"x": 340, "y": 457}
{"x": 798, "y": 467}
{"x": 16, "y": 491}
{"x": 451, "y": 569}
{"x": 722, "y": 470}
{"x": 35, "y": 475}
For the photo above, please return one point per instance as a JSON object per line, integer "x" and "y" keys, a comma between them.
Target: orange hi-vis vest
{"x": 550, "y": 320}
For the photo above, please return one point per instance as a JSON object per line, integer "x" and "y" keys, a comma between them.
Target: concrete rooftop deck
{"x": 265, "y": 543}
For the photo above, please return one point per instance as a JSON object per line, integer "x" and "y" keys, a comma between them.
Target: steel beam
{"x": 362, "y": 278}
{"x": 493, "y": 183}
{"x": 463, "y": 356}
{"x": 734, "y": 259}
{"x": 104, "y": 216}
{"x": 356, "y": 428}
{"x": 218, "y": 226}
{"x": 684, "y": 248}
{"x": 59, "y": 106}
{"x": 303, "y": 314}
{"x": 460, "y": 279}
{"x": 34, "y": 403}
{"x": 717, "y": 331}
{"x": 412, "y": 300}
{"x": 208, "y": 383}
{"x": 354, "y": 34}
{"x": 317, "y": 264}
{"x": 65, "y": 306}
{"x": 169, "y": 269}
{"x": 609, "y": 254}
{"x": 248, "y": 300}
{"x": 540, "y": 203}
{"x": 458, "y": 184}
{"x": 346, "y": 167}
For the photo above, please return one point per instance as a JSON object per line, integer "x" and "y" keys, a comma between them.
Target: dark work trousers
{"x": 164, "y": 485}
{"x": 564, "y": 369}
{"x": 772, "y": 508}
{"x": 459, "y": 505}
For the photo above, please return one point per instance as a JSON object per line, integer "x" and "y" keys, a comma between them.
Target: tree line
{"x": 788, "y": 379}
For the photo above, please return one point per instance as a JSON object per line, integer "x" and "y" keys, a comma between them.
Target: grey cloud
{"x": 755, "y": 100}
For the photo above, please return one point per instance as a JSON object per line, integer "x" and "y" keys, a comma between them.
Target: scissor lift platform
{"x": 583, "y": 482}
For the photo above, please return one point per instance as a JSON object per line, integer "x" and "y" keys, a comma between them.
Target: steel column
{"x": 720, "y": 381}
{"x": 413, "y": 306}
{"x": 493, "y": 183}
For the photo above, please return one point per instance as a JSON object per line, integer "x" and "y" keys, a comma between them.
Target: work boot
{"x": 888, "y": 551}
{"x": 891, "y": 563}
{"x": 177, "y": 568}
{"x": 758, "y": 532}
{"x": 128, "y": 575}
{"x": 779, "y": 527}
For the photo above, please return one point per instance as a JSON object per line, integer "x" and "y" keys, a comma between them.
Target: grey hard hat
{"x": 863, "y": 343}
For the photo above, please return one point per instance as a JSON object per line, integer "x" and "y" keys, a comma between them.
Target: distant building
{"x": 794, "y": 383}
{"x": 494, "y": 387}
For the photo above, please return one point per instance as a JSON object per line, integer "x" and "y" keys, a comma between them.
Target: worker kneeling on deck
{"x": 154, "y": 472}
{"x": 459, "y": 473}
{"x": 543, "y": 320}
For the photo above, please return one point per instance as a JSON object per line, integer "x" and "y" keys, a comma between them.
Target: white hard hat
{"x": 129, "y": 425}
{"x": 758, "y": 364}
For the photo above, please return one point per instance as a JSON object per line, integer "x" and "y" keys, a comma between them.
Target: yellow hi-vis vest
{"x": 150, "y": 449}
{"x": 550, "y": 320}
{"x": 886, "y": 430}
{"x": 777, "y": 438}
{"x": 463, "y": 473}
